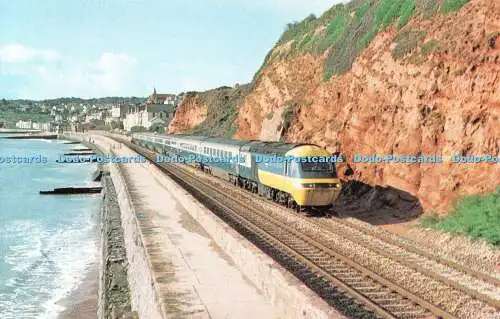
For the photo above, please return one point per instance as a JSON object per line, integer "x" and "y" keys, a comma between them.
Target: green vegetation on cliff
{"x": 345, "y": 30}
{"x": 474, "y": 216}
{"x": 222, "y": 109}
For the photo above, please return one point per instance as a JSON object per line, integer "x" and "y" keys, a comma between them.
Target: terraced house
{"x": 157, "y": 111}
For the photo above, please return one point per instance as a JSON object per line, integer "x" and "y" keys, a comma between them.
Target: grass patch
{"x": 406, "y": 11}
{"x": 429, "y": 47}
{"x": 406, "y": 42}
{"x": 452, "y": 5}
{"x": 305, "y": 41}
{"x": 475, "y": 216}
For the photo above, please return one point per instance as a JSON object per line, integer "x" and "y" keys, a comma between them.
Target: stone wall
{"x": 114, "y": 291}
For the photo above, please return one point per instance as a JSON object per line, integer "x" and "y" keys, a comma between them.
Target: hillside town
{"x": 151, "y": 115}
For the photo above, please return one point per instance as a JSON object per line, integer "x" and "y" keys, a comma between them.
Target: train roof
{"x": 274, "y": 148}
{"x": 226, "y": 141}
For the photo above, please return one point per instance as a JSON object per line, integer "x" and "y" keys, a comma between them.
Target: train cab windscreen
{"x": 317, "y": 170}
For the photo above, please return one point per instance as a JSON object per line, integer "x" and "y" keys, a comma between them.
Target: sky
{"x": 97, "y": 48}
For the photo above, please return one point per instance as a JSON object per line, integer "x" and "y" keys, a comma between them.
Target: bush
{"x": 117, "y": 125}
{"x": 157, "y": 127}
{"x": 136, "y": 129}
{"x": 474, "y": 216}
{"x": 429, "y": 47}
{"x": 452, "y": 5}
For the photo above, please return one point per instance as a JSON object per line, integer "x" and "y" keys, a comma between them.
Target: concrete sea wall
{"x": 114, "y": 292}
{"x": 140, "y": 276}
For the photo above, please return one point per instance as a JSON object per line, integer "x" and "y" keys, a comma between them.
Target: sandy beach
{"x": 82, "y": 303}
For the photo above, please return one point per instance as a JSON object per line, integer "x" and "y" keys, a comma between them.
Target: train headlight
{"x": 308, "y": 185}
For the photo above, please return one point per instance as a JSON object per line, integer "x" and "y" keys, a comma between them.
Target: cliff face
{"x": 188, "y": 115}
{"x": 211, "y": 113}
{"x": 429, "y": 88}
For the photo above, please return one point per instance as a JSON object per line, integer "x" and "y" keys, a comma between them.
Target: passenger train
{"x": 295, "y": 183}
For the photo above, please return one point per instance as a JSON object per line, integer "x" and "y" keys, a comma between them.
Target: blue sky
{"x": 93, "y": 48}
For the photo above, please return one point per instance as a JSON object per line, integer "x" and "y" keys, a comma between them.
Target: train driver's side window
{"x": 293, "y": 169}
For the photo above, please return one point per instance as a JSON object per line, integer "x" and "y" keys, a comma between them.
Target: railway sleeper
{"x": 355, "y": 281}
{"x": 401, "y": 307}
{"x": 385, "y": 301}
{"x": 422, "y": 313}
{"x": 363, "y": 287}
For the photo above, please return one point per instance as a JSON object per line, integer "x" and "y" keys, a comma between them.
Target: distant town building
{"x": 42, "y": 126}
{"x": 95, "y": 115}
{"x": 28, "y": 125}
{"x": 155, "y": 112}
{"x": 147, "y": 115}
{"x": 155, "y": 98}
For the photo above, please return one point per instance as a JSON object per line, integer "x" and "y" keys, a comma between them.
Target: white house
{"x": 24, "y": 124}
{"x": 146, "y": 116}
{"x": 42, "y": 126}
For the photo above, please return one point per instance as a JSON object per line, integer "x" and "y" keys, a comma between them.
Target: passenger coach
{"x": 294, "y": 183}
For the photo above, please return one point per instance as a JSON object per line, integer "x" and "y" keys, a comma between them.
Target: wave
{"x": 47, "y": 265}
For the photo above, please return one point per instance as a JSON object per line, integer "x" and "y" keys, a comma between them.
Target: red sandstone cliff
{"x": 188, "y": 115}
{"x": 443, "y": 102}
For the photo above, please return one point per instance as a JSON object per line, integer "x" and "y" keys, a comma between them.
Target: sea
{"x": 47, "y": 242}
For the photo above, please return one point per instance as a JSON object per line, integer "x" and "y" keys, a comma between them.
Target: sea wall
{"x": 114, "y": 292}
{"x": 144, "y": 295}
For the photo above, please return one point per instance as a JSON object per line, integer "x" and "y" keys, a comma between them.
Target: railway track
{"x": 344, "y": 283}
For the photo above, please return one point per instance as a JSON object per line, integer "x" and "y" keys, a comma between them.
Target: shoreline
{"x": 104, "y": 291}
{"x": 81, "y": 303}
